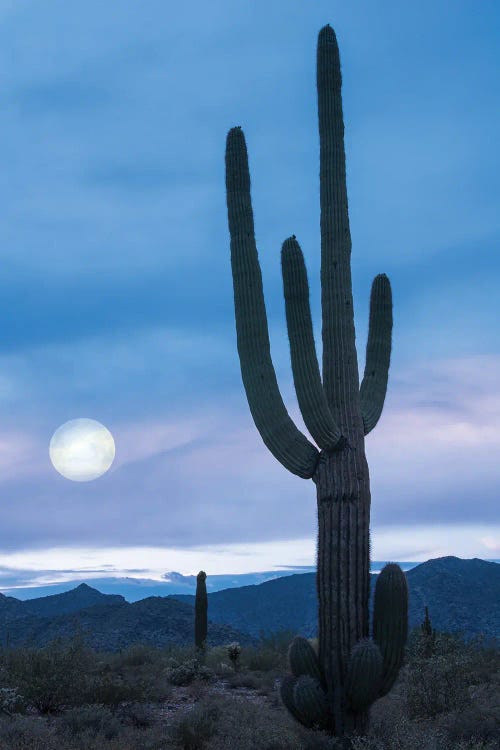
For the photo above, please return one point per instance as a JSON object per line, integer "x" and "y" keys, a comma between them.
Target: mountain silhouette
{"x": 462, "y": 596}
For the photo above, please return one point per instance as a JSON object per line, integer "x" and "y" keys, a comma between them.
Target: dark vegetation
{"x": 67, "y": 696}
{"x": 109, "y": 622}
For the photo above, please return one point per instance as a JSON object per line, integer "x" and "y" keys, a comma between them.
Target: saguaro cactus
{"x": 427, "y": 637}
{"x": 200, "y": 613}
{"x": 351, "y": 670}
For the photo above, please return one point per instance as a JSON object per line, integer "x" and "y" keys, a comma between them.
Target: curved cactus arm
{"x": 286, "y": 692}
{"x": 311, "y": 702}
{"x": 378, "y": 353}
{"x": 304, "y": 660}
{"x": 364, "y": 674}
{"x": 279, "y": 433}
{"x": 306, "y": 375}
{"x": 390, "y": 622}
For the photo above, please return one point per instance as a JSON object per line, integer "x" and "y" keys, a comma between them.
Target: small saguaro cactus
{"x": 334, "y": 688}
{"x": 200, "y": 614}
{"x": 428, "y": 637}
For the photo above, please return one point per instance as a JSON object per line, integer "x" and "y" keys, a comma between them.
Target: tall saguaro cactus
{"x": 200, "y": 614}
{"x": 334, "y": 688}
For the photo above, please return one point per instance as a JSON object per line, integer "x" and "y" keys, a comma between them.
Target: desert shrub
{"x": 224, "y": 670}
{"x": 129, "y": 738}
{"x": 135, "y": 714}
{"x": 278, "y": 641}
{"x": 194, "y": 727}
{"x": 262, "y": 659}
{"x": 403, "y": 735}
{"x": 435, "y": 686}
{"x": 472, "y": 723}
{"x": 91, "y": 720}
{"x": 216, "y": 656}
{"x": 171, "y": 662}
{"x": 446, "y": 644}
{"x": 270, "y": 654}
{"x": 247, "y": 726}
{"x": 485, "y": 659}
{"x": 113, "y": 680}
{"x": 178, "y": 653}
{"x": 136, "y": 655}
{"x": 23, "y": 733}
{"x": 190, "y": 670}
{"x": 244, "y": 679}
{"x": 440, "y": 684}
{"x": 112, "y": 689}
{"x": 10, "y": 701}
{"x": 52, "y": 677}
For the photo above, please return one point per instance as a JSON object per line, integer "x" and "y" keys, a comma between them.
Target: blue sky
{"x": 116, "y": 299}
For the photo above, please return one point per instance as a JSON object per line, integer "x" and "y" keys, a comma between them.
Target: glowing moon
{"x": 82, "y": 449}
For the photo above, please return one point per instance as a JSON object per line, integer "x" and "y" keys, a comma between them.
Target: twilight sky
{"x": 116, "y": 300}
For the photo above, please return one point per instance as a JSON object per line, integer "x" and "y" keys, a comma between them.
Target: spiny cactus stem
{"x": 269, "y": 413}
{"x": 340, "y": 368}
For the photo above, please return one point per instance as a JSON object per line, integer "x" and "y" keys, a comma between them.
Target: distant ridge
{"x": 109, "y": 622}
{"x": 462, "y": 595}
{"x": 81, "y": 597}
{"x": 134, "y": 589}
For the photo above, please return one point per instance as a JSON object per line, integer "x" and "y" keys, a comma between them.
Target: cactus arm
{"x": 306, "y": 375}
{"x": 303, "y": 660}
{"x": 340, "y": 365}
{"x": 364, "y": 674}
{"x": 390, "y": 622}
{"x": 311, "y": 702}
{"x": 378, "y": 353}
{"x": 286, "y": 692}
{"x": 279, "y": 433}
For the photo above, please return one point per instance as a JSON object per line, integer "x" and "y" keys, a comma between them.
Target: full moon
{"x": 82, "y": 449}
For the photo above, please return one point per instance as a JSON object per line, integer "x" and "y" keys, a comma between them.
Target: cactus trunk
{"x": 343, "y": 567}
{"x": 200, "y": 614}
{"x": 342, "y": 480}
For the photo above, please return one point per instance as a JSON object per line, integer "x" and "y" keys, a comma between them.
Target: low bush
{"x": 244, "y": 679}
{"x": 92, "y": 720}
{"x": 11, "y": 702}
{"x": 189, "y": 671}
{"x": 112, "y": 689}
{"x": 22, "y": 733}
{"x": 52, "y": 677}
{"x": 135, "y": 656}
{"x": 440, "y": 684}
{"x": 436, "y": 686}
{"x": 472, "y": 723}
{"x": 194, "y": 727}
{"x": 105, "y": 701}
{"x": 135, "y": 714}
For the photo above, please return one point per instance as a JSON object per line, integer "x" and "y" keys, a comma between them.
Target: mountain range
{"x": 462, "y": 595}
{"x": 173, "y": 582}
